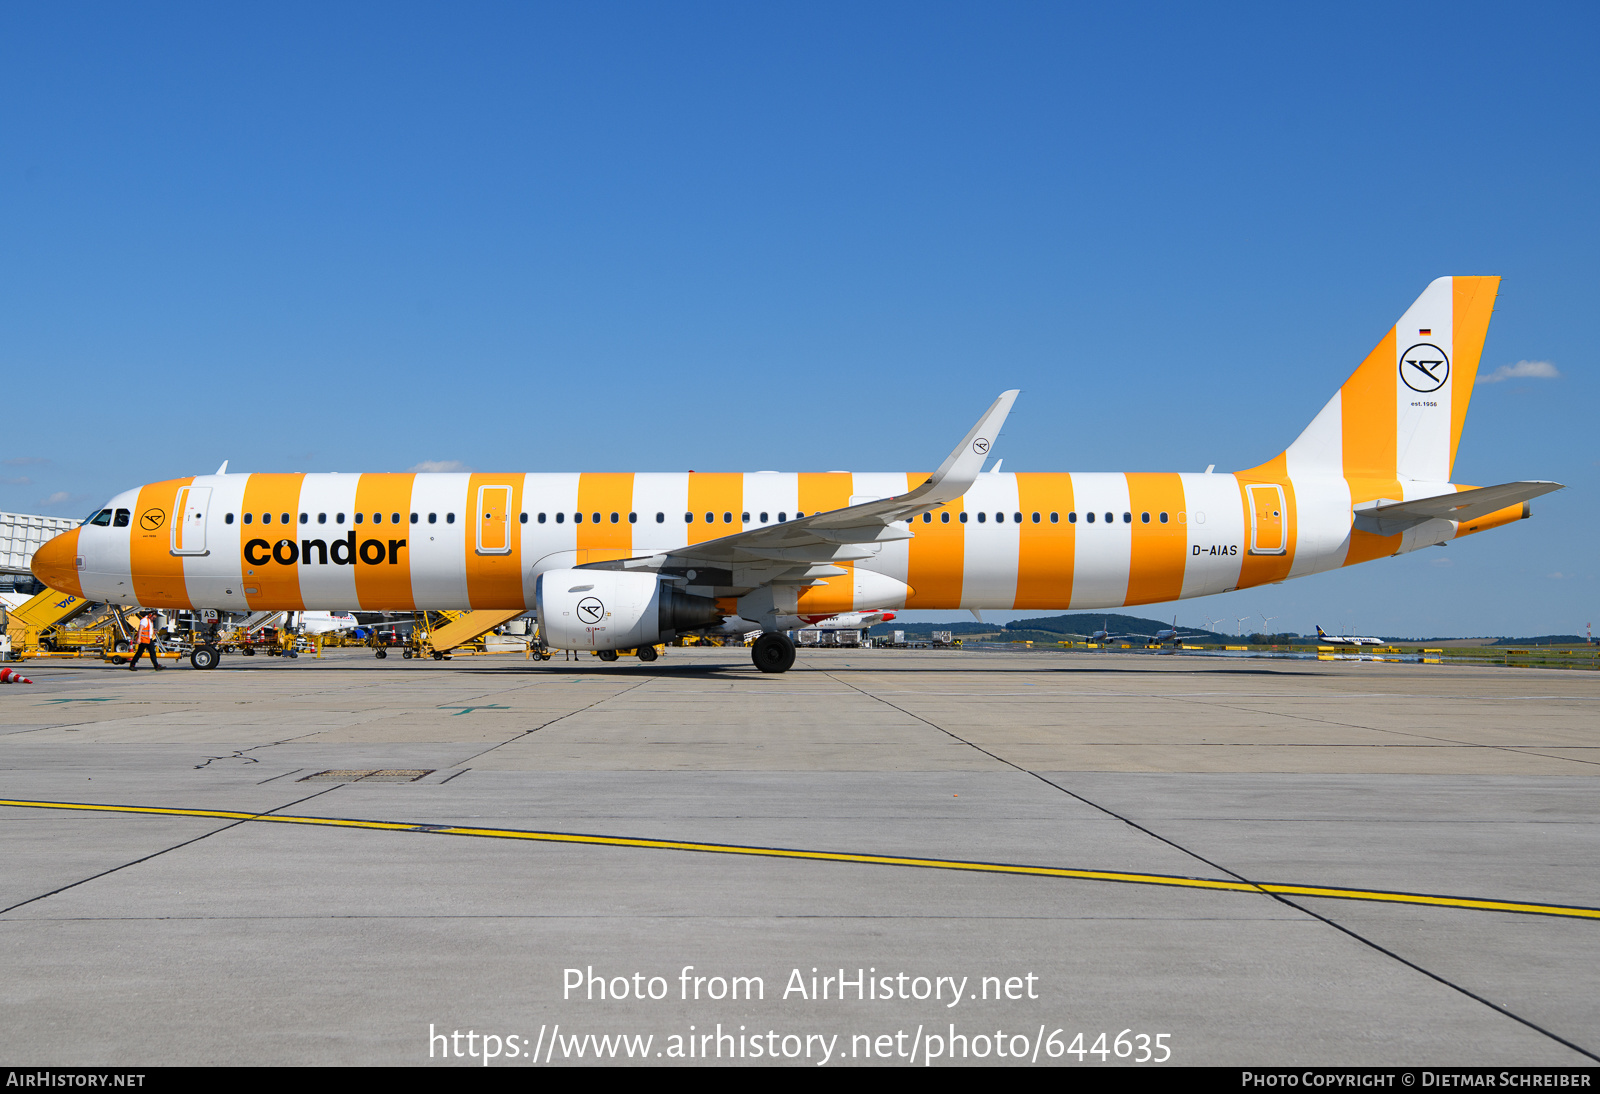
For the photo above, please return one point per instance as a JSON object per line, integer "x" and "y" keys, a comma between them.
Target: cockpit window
{"x": 101, "y": 519}
{"x": 121, "y": 520}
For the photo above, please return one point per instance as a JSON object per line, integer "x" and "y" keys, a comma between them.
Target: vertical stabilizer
{"x": 1400, "y": 415}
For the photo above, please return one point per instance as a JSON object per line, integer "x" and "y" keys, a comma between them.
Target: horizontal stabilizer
{"x": 1390, "y": 517}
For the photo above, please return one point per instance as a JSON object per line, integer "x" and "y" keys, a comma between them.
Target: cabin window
{"x": 783, "y": 518}
{"x": 1017, "y": 518}
{"x": 561, "y": 518}
{"x": 449, "y": 518}
{"x": 433, "y": 518}
{"x": 1089, "y": 517}
{"x": 577, "y": 518}
{"x": 661, "y": 518}
{"x": 286, "y": 519}
{"x": 727, "y": 518}
{"x": 711, "y": 518}
{"x": 322, "y": 518}
{"x": 614, "y": 518}
{"x": 1127, "y": 518}
{"x": 1055, "y": 518}
{"x": 416, "y": 517}
{"x": 394, "y": 518}
{"x": 361, "y": 518}
{"x": 1072, "y": 518}
{"x": 1144, "y": 518}
{"x": 1163, "y": 518}
{"x": 963, "y": 518}
{"x": 541, "y": 518}
{"x": 305, "y": 518}
{"x": 944, "y": 518}
{"x": 744, "y": 518}
{"x": 1036, "y": 517}
{"x": 338, "y": 518}
{"x": 927, "y": 518}
{"x": 981, "y": 517}
{"x": 763, "y": 518}
{"x": 523, "y": 518}
{"x": 688, "y": 518}
{"x": 377, "y": 518}
{"x": 799, "y": 516}
{"x": 248, "y": 517}
{"x": 228, "y": 519}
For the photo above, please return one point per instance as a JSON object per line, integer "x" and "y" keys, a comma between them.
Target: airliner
{"x": 1326, "y": 639}
{"x": 616, "y": 561}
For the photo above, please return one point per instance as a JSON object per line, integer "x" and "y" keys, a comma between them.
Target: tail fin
{"x": 1320, "y": 632}
{"x": 1400, "y": 415}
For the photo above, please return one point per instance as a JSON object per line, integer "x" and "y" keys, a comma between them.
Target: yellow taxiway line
{"x": 1173, "y": 881}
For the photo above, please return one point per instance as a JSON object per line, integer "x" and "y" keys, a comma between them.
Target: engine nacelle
{"x": 615, "y": 610}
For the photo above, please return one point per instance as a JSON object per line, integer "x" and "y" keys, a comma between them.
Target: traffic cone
{"x": 8, "y": 676}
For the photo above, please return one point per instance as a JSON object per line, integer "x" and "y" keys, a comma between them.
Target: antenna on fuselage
{"x": 223, "y": 470}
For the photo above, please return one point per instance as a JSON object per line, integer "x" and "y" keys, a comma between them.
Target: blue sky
{"x": 733, "y": 236}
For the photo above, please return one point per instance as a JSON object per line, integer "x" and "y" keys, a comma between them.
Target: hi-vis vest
{"x": 147, "y": 630}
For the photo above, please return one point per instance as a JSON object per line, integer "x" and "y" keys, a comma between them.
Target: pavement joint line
{"x": 1282, "y": 894}
{"x": 963, "y": 865}
{"x": 546, "y": 725}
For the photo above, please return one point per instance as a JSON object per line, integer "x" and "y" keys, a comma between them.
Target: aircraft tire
{"x": 608, "y": 655}
{"x": 773, "y": 652}
{"x": 203, "y": 657}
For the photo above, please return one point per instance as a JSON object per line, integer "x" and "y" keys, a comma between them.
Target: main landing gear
{"x": 773, "y": 652}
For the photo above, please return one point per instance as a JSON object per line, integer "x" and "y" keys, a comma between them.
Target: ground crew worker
{"x": 147, "y": 641}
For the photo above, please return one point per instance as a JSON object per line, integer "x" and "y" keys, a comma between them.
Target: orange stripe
{"x": 277, "y": 586}
{"x": 385, "y": 585}
{"x": 1493, "y": 520}
{"x": 718, "y": 494}
{"x": 1367, "y": 409}
{"x": 157, "y": 572}
{"x": 495, "y": 580}
{"x": 1044, "y": 550}
{"x": 822, "y": 492}
{"x": 1266, "y": 569}
{"x": 1474, "y": 304}
{"x": 936, "y": 556}
{"x": 1159, "y": 552}
{"x": 605, "y": 496}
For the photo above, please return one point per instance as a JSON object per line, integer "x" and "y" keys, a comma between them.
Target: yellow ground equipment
{"x": 58, "y": 624}
{"x": 440, "y": 634}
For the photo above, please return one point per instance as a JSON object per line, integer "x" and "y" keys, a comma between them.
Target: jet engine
{"x": 615, "y": 610}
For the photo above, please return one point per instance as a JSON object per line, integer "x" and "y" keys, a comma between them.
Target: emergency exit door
{"x": 494, "y": 534}
{"x": 189, "y": 530}
{"x": 1267, "y": 523}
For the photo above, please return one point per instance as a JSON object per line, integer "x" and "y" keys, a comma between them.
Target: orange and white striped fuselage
{"x": 386, "y": 542}
{"x": 1346, "y": 491}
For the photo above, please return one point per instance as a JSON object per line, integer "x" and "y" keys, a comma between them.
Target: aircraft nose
{"x": 56, "y": 563}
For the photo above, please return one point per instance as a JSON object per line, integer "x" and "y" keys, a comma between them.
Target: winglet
{"x": 954, "y": 477}
{"x": 960, "y": 469}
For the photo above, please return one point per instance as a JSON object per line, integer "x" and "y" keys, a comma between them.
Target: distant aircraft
{"x": 847, "y": 621}
{"x": 613, "y": 561}
{"x": 326, "y": 622}
{"x": 1327, "y": 639}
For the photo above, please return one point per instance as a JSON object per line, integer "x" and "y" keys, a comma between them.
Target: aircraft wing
{"x": 1388, "y": 517}
{"x": 804, "y": 549}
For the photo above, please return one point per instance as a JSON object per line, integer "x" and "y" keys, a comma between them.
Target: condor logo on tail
{"x": 343, "y": 552}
